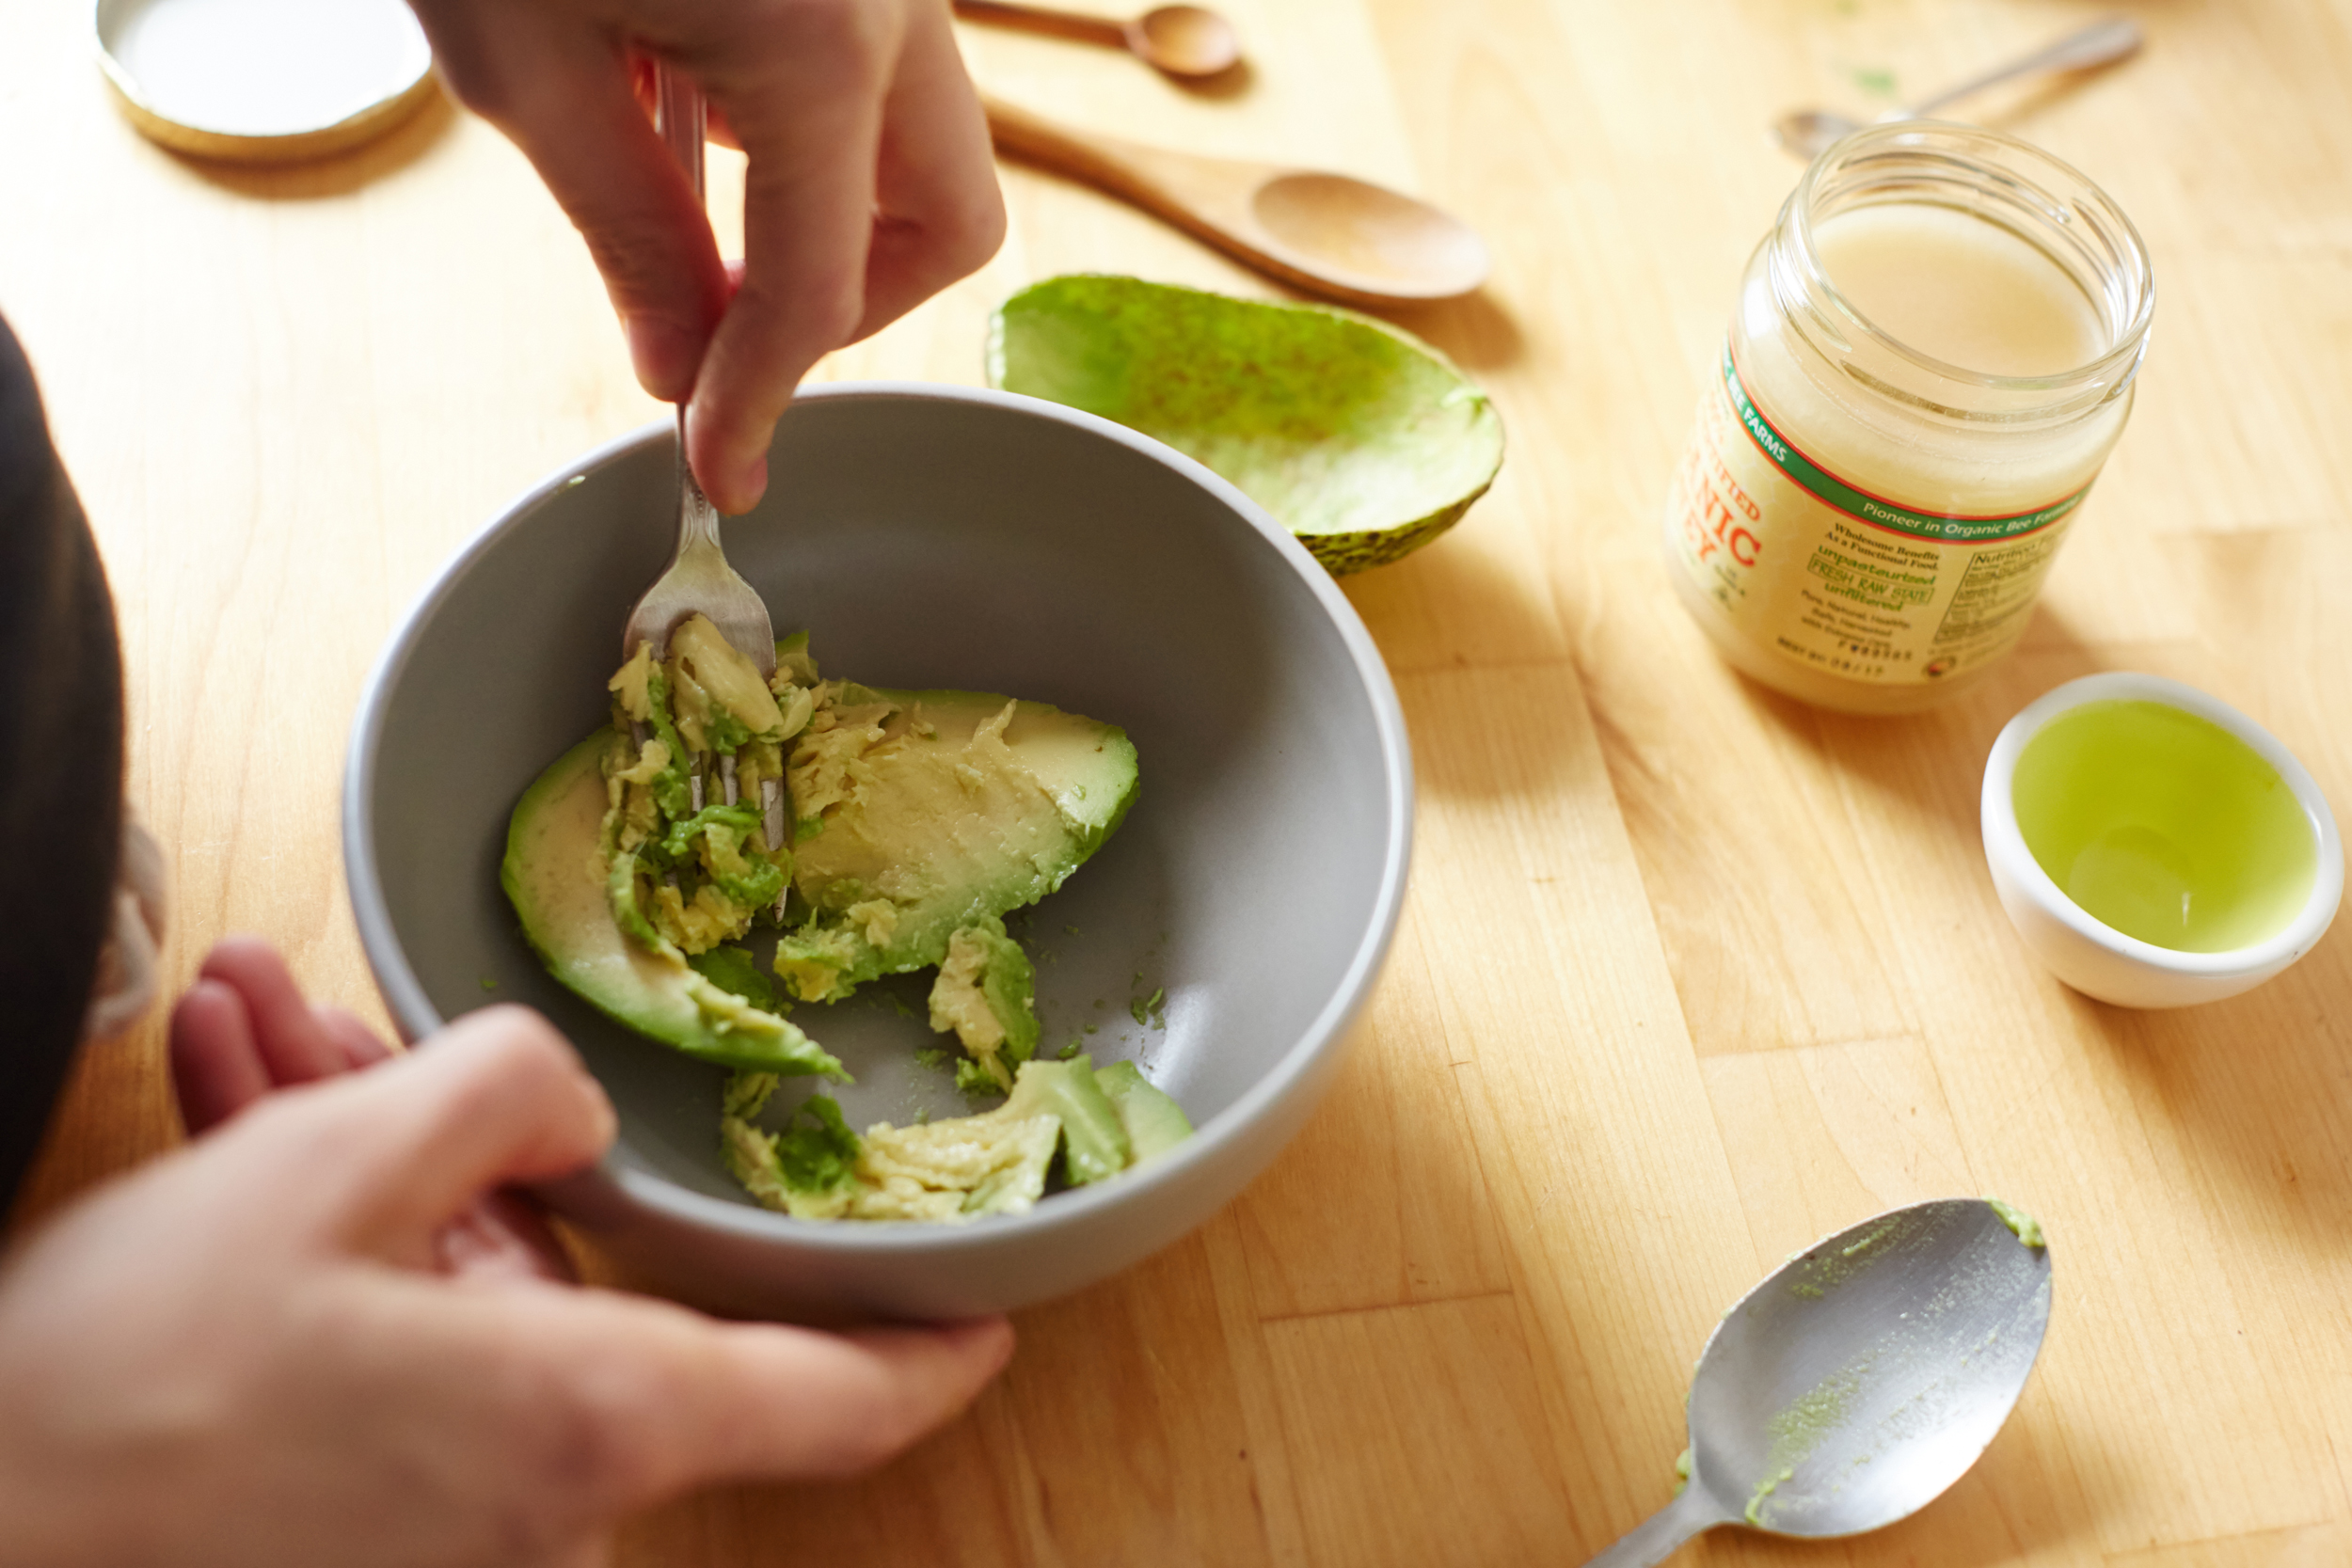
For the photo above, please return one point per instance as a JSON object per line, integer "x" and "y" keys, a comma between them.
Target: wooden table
{"x": 1689, "y": 973}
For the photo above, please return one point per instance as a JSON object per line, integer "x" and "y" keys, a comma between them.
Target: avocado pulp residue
{"x": 1764, "y": 1489}
{"x": 2028, "y": 1229}
{"x": 1799, "y": 1429}
{"x": 1826, "y": 1270}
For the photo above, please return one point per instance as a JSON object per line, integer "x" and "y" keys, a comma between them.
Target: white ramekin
{"x": 2097, "y": 959}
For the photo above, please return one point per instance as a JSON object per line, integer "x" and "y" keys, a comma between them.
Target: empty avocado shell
{"x": 1362, "y": 440}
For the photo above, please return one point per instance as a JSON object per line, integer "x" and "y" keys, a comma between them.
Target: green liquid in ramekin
{"x": 2164, "y": 826}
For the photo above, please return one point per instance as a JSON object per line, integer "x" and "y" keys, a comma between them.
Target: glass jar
{"x": 1932, "y": 353}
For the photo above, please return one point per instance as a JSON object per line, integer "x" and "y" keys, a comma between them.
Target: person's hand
{"x": 870, "y": 184}
{"x": 243, "y": 1030}
{"x": 301, "y": 1340}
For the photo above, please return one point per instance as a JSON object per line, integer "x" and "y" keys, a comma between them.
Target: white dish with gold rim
{"x": 263, "y": 81}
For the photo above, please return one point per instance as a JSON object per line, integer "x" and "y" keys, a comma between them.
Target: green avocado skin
{"x": 1010, "y": 984}
{"x": 550, "y": 845}
{"x": 1094, "y": 1140}
{"x": 1154, "y": 1122}
{"x": 1363, "y": 440}
{"x": 1343, "y": 554}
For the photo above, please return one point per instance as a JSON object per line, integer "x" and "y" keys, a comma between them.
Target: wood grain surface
{"x": 1689, "y": 973}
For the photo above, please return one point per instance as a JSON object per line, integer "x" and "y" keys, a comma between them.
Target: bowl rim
{"x": 2007, "y": 853}
{"x": 413, "y": 1014}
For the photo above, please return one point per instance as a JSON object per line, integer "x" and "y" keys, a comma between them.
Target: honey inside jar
{"x": 1933, "y": 354}
{"x": 1960, "y": 289}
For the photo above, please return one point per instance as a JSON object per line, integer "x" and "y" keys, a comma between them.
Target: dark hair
{"x": 61, "y": 767}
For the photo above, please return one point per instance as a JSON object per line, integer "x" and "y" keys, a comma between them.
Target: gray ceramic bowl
{"x": 930, "y": 536}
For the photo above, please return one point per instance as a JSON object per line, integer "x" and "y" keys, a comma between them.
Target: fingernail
{"x": 737, "y": 485}
{"x": 664, "y": 356}
{"x": 753, "y": 483}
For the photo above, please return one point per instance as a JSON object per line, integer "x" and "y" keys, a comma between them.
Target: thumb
{"x": 497, "y": 1098}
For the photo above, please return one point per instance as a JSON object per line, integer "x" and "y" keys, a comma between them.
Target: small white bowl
{"x": 2094, "y": 957}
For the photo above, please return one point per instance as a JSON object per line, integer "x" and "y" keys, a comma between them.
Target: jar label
{"x": 1839, "y": 579}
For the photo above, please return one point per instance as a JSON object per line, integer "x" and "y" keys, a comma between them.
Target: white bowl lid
{"x": 265, "y": 80}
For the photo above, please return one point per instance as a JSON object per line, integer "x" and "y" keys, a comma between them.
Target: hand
{"x": 870, "y": 184}
{"x": 290, "y": 1344}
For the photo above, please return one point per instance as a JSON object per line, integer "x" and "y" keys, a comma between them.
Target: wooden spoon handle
{"x": 1122, "y": 170}
{"x": 1045, "y": 20}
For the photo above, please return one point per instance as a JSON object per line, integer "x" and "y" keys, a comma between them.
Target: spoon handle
{"x": 2100, "y": 43}
{"x": 1654, "y": 1540}
{"x": 1136, "y": 174}
{"x": 1045, "y": 20}
{"x": 681, "y": 120}
{"x": 1206, "y": 197}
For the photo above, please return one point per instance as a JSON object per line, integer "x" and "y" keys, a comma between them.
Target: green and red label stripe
{"x": 1947, "y": 528}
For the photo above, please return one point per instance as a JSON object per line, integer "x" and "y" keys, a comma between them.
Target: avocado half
{"x": 965, "y": 813}
{"x": 1362, "y": 440}
{"x": 1058, "y": 787}
{"x": 553, "y": 875}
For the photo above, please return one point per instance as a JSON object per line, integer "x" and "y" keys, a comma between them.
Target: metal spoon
{"x": 1328, "y": 234}
{"x": 1862, "y": 1379}
{"x": 1806, "y": 132}
{"x": 1180, "y": 40}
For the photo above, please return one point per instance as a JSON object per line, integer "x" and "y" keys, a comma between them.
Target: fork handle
{"x": 684, "y": 123}
{"x": 680, "y": 115}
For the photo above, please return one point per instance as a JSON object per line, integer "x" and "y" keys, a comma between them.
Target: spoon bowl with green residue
{"x": 1862, "y": 1379}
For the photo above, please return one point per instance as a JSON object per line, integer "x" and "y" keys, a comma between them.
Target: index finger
{"x": 389, "y": 1155}
{"x": 805, "y": 102}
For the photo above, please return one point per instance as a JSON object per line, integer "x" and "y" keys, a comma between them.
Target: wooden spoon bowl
{"x": 1378, "y": 241}
{"x": 1328, "y": 234}
{"x": 1185, "y": 40}
{"x": 1188, "y": 42}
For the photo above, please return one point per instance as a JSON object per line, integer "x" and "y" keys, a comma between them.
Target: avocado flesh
{"x": 987, "y": 994}
{"x": 995, "y": 1162}
{"x": 969, "y": 805}
{"x": 927, "y": 814}
{"x": 553, "y": 875}
{"x": 1154, "y": 1122}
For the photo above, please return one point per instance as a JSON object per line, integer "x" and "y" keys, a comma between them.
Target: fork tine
{"x": 772, "y": 830}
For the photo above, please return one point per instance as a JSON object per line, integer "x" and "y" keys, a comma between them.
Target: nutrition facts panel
{"x": 1999, "y": 587}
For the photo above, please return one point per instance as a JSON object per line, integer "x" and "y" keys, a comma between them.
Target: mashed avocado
{"x": 996, "y": 1162}
{"x": 986, "y": 992}
{"x": 862, "y": 833}
{"x": 2028, "y": 1229}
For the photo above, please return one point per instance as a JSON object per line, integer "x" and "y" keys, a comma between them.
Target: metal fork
{"x": 698, "y": 580}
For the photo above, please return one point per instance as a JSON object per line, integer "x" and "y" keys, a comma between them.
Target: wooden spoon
{"x": 1180, "y": 40}
{"x": 1327, "y": 233}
